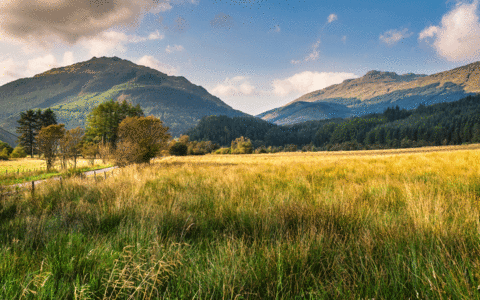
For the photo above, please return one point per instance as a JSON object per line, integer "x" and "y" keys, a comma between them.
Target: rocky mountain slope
{"x": 74, "y": 90}
{"x": 376, "y": 91}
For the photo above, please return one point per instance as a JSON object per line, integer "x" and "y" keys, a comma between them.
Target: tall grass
{"x": 28, "y": 169}
{"x": 278, "y": 226}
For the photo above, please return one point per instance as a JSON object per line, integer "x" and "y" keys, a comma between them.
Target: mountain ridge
{"x": 73, "y": 91}
{"x": 378, "y": 90}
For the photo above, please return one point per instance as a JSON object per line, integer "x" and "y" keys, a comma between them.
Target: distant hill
{"x": 8, "y": 137}
{"x": 375, "y": 92}
{"x": 449, "y": 123}
{"x": 73, "y": 91}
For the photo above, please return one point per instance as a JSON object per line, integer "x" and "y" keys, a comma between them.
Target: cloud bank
{"x": 457, "y": 38}
{"x": 306, "y": 82}
{"x": 236, "y": 86}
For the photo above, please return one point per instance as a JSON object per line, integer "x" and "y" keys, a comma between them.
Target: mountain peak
{"x": 374, "y": 74}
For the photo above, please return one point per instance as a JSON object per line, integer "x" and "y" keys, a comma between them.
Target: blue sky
{"x": 253, "y": 54}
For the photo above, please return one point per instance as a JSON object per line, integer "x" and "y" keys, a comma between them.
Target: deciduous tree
{"x": 71, "y": 144}
{"x": 48, "y": 142}
{"x": 140, "y": 139}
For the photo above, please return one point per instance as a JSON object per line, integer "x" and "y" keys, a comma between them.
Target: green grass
{"x": 369, "y": 225}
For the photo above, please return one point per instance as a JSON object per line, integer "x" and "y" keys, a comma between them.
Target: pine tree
{"x": 27, "y": 130}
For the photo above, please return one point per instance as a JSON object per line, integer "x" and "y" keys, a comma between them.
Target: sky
{"x": 255, "y": 55}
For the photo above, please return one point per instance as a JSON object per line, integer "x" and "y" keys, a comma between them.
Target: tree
{"x": 89, "y": 150}
{"x": 103, "y": 121}
{"x": 46, "y": 118}
{"x": 70, "y": 146}
{"x": 48, "y": 142}
{"x": 178, "y": 149}
{"x": 242, "y": 145}
{"x": 31, "y": 122}
{"x": 140, "y": 139}
{"x": 27, "y": 130}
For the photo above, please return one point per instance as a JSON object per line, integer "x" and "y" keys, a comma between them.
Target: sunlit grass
{"x": 351, "y": 225}
{"x": 20, "y": 170}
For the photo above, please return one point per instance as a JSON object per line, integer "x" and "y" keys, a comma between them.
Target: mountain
{"x": 73, "y": 91}
{"x": 376, "y": 91}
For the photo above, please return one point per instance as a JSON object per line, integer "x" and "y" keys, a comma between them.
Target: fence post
{"x": 105, "y": 174}
{"x": 95, "y": 175}
{"x": 33, "y": 188}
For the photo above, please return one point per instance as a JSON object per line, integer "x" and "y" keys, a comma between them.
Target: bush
{"x": 242, "y": 145}
{"x": 18, "y": 152}
{"x": 4, "y": 154}
{"x": 6, "y": 146}
{"x": 223, "y": 151}
{"x": 178, "y": 149}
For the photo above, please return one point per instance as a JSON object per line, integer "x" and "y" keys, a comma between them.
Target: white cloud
{"x": 68, "y": 58}
{"x": 151, "y": 62}
{"x": 42, "y": 64}
{"x": 314, "y": 55}
{"x": 457, "y": 38}
{"x": 344, "y": 39}
{"x": 236, "y": 86}
{"x": 306, "y": 82}
{"x": 9, "y": 71}
{"x": 174, "y": 48}
{"x": 392, "y": 37}
{"x": 110, "y": 42}
{"x": 428, "y": 32}
{"x": 156, "y": 36}
{"x": 332, "y": 17}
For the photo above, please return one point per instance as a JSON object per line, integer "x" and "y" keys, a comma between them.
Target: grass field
{"x": 400, "y": 224}
{"x": 18, "y": 170}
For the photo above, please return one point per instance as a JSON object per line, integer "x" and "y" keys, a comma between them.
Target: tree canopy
{"x": 104, "y": 120}
{"x": 30, "y": 124}
{"x": 140, "y": 139}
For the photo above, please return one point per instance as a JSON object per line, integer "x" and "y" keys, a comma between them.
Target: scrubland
{"x": 400, "y": 224}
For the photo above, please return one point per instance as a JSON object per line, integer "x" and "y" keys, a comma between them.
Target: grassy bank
{"x": 383, "y": 225}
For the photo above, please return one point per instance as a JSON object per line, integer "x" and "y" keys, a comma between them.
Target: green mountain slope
{"x": 74, "y": 90}
{"x": 376, "y": 91}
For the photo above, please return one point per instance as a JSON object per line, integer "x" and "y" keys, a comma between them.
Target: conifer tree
{"x": 27, "y": 129}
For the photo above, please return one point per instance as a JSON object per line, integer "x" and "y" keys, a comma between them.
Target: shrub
{"x": 4, "y": 154}
{"x": 178, "y": 149}
{"x": 18, "y": 152}
{"x": 223, "y": 151}
{"x": 242, "y": 145}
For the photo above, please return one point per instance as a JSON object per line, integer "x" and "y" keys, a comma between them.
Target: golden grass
{"x": 328, "y": 225}
{"x": 30, "y": 164}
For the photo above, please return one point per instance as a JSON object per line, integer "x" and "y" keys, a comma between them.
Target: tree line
{"x": 450, "y": 123}
{"x": 114, "y": 130}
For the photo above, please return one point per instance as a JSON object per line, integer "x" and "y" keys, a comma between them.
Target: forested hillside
{"x": 439, "y": 124}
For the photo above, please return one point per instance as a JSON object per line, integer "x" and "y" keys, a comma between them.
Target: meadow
{"x": 392, "y": 224}
{"x": 18, "y": 170}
